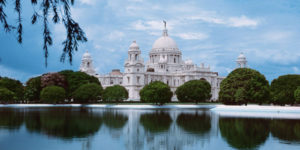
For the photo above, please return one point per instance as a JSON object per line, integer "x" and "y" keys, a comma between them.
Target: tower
{"x": 87, "y": 64}
{"x": 241, "y": 61}
{"x": 134, "y": 69}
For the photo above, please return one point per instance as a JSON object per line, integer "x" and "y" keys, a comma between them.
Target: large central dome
{"x": 164, "y": 43}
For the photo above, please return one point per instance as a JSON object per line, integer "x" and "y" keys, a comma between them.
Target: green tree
{"x": 156, "y": 92}
{"x": 297, "y": 95}
{"x": 194, "y": 91}
{"x": 283, "y": 88}
{"x": 33, "y": 89}
{"x": 115, "y": 93}
{"x": 244, "y": 133}
{"x": 88, "y": 92}
{"x": 6, "y": 95}
{"x": 156, "y": 122}
{"x": 244, "y": 85}
{"x": 14, "y": 86}
{"x": 77, "y": 79}
{"x": 60, "y": 13}
{"x": 53, "y": 94}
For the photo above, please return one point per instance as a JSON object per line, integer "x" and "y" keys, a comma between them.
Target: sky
{"x": 213, "y": 32}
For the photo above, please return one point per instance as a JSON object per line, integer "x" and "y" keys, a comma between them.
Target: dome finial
{"x": 165, "y": 31}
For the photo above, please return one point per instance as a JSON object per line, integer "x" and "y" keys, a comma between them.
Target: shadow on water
{"x": 156, "y": 122}
{"x": 63, "y": 122}
{"x": 287, "y": 130}
{"x": 198, "y": 124}
{"x": 244, "y": 133}
{"x": 11, "y": 119}
{"x": 114, "y": 120}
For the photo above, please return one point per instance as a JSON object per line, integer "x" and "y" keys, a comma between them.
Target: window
{"x": 111, "y": 82}
{"x": 138, "y": 80}
{"x": 88, "y": 64}
{"x": 136, "y": 56}
{"x": 128, "y": 79}
{"x": 137, "y": 70}
{"x": 174, "y": 60}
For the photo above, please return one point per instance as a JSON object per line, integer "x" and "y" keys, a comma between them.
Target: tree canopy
{"x": 53, "y": 94}
{"x": 115, "y": 93}
{"x": 56, "y": 10}
{"x": 283, "y": 88}
{"x": 14, "y": 86}
{"x": 244, "y": 85}
{"x": 194, "y": 91}
{"x": 156, "y": 92}
{"x": 88, "y": 92}
{"x": 32, "y": 89}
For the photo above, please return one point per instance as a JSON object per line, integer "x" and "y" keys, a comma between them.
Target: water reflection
{"x": 114, "y": 119}
{"x": 10, "y": 119}
{"x": 244, "y": 133}
{"x": 156, "y": 122}
{"x": 64, "y": 123}
{"x": 194, "y": 123}
{"x": 286, "y": 130}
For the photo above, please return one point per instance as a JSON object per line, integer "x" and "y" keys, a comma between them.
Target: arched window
{"x": 136, "y": 56}
{"x": 174, "y": 60}
{"x": 88, "y": 64}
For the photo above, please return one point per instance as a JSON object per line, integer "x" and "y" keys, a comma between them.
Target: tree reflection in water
{"x": 114, "y": 120}
{"x": 63, "y": 122}
{"x": 244, "y": 133}
{"x": 156, "y": 122}
{"x": 11, "y": 119}
{"x": 286, "y": 130}
{"x": 194, "y": 123}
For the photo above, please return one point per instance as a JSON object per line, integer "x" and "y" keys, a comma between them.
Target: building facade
{"x": 164, "y": 64}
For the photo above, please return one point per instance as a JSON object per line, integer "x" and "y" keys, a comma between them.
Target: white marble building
{"x": 165, "y": 64}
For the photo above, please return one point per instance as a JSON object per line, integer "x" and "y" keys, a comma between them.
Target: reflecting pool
{"x": 83, "y": 128}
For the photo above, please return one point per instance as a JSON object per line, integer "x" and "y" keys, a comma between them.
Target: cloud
{"x": 277, "y": 36}
{"x": 115, "y": 35}
{"x": 88, "y": 2}
{"x": 242, "y": 21}
{"x": 212, "y": 17}
{"x": 151, "y": 25}
{"x": 192, "y": 36}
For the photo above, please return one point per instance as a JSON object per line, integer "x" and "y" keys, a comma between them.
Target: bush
{"x": 14, "y": 86}
{"x": 77, "y": 79}
{"x": 283, "y": 88}
{"x": 297, "y": 95}
{"x": 33, "y": 89}
{"x": 115, "y": 93}
{"x": 6, "y": 95}
{"x": 88, "y": 92}
{"x": 194, "y": 91}
{"x": 56, "y": 79}
{"x": 244, "y": 85}
{"x": 53, "y": 94}
{"x": 156, "y": 92}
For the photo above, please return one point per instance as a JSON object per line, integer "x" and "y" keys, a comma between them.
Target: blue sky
{"x": 213, "y": 32}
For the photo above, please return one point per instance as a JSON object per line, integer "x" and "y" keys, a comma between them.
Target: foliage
{"x": 244, "y": 85}
{"x": 53, "y": 94}
{"x": 297, "y": 95}
{"x": 6, "y": 95}
{"x": 33, "y": 89}
{"x": 76, "y": 79}
{"x": 56, "y": 79}
{"x": 60, "y": 11}
{"x": 282, "y": 89}
{"x": 115, "y": 93}
{"x": 156, "y": 92}
{"x": 156, "y": 122}
{"x": 114, "y": 120}
{"x": 194, "y": 123}
{"x": 88, "y": 92}
{"x": 244, "y": 133}
{"x": 14, "y": 86}
{"x": 194, "y": 91}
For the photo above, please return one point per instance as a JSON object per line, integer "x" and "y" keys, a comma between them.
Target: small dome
{"x": 241, "y": 57}
{"x": 134, "y": 46}
{"x": 86, "y": 55}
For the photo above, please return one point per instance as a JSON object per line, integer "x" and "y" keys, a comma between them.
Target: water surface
{"x": 81, "y": 128}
